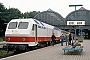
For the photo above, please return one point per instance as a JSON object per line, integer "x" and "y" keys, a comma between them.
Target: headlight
{"x": 23, "y": 39}
{"x": 8, "y": 39}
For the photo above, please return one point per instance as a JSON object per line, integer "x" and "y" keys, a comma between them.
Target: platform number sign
{"x": 75, "y": 22}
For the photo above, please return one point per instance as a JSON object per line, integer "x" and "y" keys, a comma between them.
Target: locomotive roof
{"x": 34, "y": 21}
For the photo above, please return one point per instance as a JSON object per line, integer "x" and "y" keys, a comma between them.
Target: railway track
{"x": 3, "y": 51}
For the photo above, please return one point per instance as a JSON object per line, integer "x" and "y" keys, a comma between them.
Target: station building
{"x": 82, "y": 17}
{"x": 51, "y": 17}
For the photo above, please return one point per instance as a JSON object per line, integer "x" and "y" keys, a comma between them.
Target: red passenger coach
{"x": 26, "y": 33}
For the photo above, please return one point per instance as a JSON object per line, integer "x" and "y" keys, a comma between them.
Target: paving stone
{"x": 52, "y": 53}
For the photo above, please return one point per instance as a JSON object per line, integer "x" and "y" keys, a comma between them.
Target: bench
{"x": 79, "y": 48}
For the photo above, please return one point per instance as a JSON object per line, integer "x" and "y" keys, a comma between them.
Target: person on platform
{"x": 70, "y": 38}
{"x": 67, "y": 39}
{"x": 53, "y": 39}
{"x": 62, "y": 39}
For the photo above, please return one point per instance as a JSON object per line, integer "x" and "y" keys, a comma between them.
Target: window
{"x": 12, "y": 25}
{"x": 33, "y": 27}
{"x": 23, "y": 25}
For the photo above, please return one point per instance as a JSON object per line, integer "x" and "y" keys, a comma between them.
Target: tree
{"x": 2, "y": 27}
{"x": 30, "y": 14}
{"x": 13, "y": 13}
{"x": 2, "y": 9}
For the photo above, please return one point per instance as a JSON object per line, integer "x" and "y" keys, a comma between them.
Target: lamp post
{"x": 75, "y": 14}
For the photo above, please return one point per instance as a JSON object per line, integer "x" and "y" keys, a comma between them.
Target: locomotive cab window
{"x": 12, "y": 25}
{"x": 33, "y": 27}
{"x": 23, "y": 25}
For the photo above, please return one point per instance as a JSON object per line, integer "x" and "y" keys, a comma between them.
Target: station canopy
{"x": 50, "y": 17}
{"x": 82, "y": 14}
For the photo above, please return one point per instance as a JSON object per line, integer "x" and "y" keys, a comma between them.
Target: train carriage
{"x": 24, "y": 33}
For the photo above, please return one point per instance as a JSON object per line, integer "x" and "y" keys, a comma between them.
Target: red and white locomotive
{"x": 25, "y": 33}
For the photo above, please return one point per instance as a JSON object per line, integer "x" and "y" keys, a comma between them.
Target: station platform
{"x": 52, "y": 53}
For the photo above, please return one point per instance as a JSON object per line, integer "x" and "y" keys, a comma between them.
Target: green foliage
{"x": 3, "y": 53}
{"x": 30, "y": 14}
{"x": 2, "y": 27}
{"x": 80, "y": 39}
{"x": 2, "y": 8}
{"x": 13, "y": 13}
{"x": 2, "y": 38}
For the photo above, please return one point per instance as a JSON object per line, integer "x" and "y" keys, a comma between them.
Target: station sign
{"x": 75, "y": 22}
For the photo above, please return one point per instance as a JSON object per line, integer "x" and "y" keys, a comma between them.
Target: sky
{"x": 59, "y": 6}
